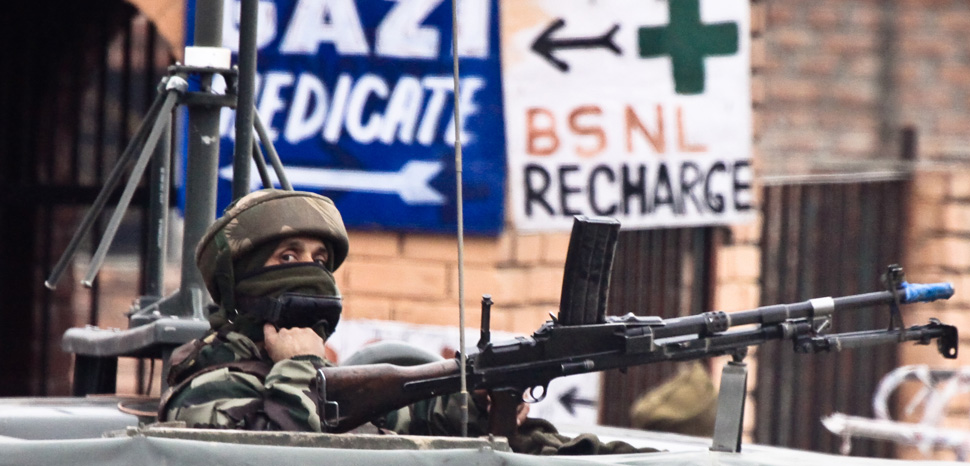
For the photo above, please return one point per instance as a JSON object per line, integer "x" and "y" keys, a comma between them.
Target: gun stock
{"x": 354, "y": 395}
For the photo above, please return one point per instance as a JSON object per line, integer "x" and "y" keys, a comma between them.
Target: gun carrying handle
{"x": 504, "y": 403}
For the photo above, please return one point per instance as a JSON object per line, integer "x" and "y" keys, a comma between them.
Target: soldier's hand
{"x": 521, "y": 413}
{"x": 289, "y": 342}
{"x": 521, "y": 410}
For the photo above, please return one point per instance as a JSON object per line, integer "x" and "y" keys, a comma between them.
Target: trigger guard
{"x": 532, "y": 398}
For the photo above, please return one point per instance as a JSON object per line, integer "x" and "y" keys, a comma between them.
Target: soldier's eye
{"x": 287, "y": 257}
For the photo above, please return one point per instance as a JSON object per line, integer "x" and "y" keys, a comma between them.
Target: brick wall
{"x": 938, "y": 236}
{"x": 841, "y": 76}
{"x": 821, "y": 83}
{"x": 932, "y": 79}
{"x": 414, "y": 278}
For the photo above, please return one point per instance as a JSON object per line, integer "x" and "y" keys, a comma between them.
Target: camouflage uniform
{"x": 226, "y": 380}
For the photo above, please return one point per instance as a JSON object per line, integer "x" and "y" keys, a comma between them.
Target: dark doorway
{"x": 830, "y": 239}
{"x": 77, "y": 78}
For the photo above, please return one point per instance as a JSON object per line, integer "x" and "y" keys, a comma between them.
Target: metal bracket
{"x": 730, "y": 407}
{"x": 329, "y": 411}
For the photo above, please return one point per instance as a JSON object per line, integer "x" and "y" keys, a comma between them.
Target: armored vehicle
{"x": 97, "y": 427}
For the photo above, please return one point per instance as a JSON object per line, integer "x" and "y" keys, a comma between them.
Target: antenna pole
{"x": 203, "y": 165}
{"x": 461, "y": 223}
{"x": 242, "y": 157}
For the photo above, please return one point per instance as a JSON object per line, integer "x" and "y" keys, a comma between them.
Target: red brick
{"x": 758, "y": 91}
{"x": 545, "y": 285}
{"x": 905, "y": 452}
{"x": 924, "y": 47}
{"x": 736, "y": 296}
{"x": 758, "y": 122}
{"x": 959, "y": 186}
{"x": 855, "y": 93}
{"x": 957, "y": 23}
{"x": 923, "y": 255}
{"x": 930, "y": 186}
{"x": 748, "y": 232}
{"x": 961, "y": 295}
{"x": 481, "y": 280}
{"x": 865, "y": 67}
{"x": 738, "y": 264}
{"x": 528, "y": 249}
{"x": 364, "y": 307}
{"x": 910, "y": 19}
{"x": 792, "y": 90}
{"x": 956, "y": 218}
{"x": 865, "y": 17}
{"x": 909, "y": 76}
{"x": 554, "y": 247}
{"x": 340, "y": 275}
{"x": 374, "y": 244}
{"x": 759, "y": 53}
{"x": 435, "y": 313}
{"x": 851, "y": 43}
{"x": 824, "y": 19}
{"x": 792, "y": 39}
{"x": 443, "y": 248}
{"x": 954, "y": 74}
{"x": 488, "y": 250}
{"x": 508, "y": 285}
{"x": 956, "y": 253}
{"x": 396, "y": 278}
{"x": 818, "y": 66}
{"x": 779, "y": 15}
{"x": 856, "y": 143}
{"x": 952, "y": 124}
{"x": 759, "y": 17}
{"x": 523, "y": 320}
{"x": 801, "y": 142}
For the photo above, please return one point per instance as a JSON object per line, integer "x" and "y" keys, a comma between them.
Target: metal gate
{"x": 77, "y": 78}
{"x": 667, "y": 273}
{"x": 826, "y": 239}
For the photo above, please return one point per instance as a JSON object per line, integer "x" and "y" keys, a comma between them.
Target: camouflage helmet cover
{"x": 270, "y": 215}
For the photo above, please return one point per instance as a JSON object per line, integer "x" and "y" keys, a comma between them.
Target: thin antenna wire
{"x": 463, "y": 398}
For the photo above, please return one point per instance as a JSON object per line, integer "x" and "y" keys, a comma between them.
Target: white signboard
{"x": 633, "y": 109}
{"x": 572, "y": 399}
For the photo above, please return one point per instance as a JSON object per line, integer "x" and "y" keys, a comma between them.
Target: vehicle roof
{"x": 40, "y": 430}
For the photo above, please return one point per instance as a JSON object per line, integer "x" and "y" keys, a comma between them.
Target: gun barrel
{"x": 719, "y": 321}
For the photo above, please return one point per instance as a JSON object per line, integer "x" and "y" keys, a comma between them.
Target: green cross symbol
{"x": 688, "y": 42}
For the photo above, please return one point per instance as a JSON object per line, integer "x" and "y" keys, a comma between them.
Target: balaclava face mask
{"x": 253, "y": 280}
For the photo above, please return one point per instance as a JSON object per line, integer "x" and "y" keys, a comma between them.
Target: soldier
{"x": 268, "y": 263}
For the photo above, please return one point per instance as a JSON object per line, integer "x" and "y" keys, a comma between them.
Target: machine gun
{"x": 580, "y": 341}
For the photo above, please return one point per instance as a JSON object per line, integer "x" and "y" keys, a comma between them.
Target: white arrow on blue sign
{"x": 411, "y": 183}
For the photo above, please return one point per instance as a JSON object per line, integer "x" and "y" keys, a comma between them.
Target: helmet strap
{"x": 224, "y": 277}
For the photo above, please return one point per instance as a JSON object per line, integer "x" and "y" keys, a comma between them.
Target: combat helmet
{"x": 264, "y": 216}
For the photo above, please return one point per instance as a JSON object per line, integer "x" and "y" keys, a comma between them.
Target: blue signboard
{"x": 358, "y": 96}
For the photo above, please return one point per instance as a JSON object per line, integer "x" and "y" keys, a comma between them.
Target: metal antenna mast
{"x": 461, "y": 221}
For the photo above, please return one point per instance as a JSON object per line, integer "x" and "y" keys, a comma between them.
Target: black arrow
{"x": 570, "y": 400}
{"x": 545, "y": 44}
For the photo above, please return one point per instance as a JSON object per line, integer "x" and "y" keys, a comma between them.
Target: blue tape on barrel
{"x": 926, "y": 292}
